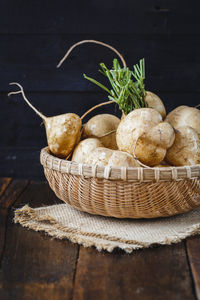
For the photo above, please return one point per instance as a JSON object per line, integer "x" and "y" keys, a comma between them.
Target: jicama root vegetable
{"x": 63, "y": 131}
{"x": 186, "y": 148}
{"x": 103, "y": 127}
{"x": 107, "y": 157}
{"x": 155, "y": 102}
{"x": 143, "y": 134}
{"x": 184, "y": 116}
{"x": 83, "y": 149}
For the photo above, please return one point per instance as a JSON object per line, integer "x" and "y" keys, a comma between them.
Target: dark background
{"x": 34, "y": 36}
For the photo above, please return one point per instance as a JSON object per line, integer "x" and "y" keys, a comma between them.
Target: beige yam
{"x": 186, "y": 148}
{"x": 104, "y": 156}
{"x": 122, "y": 159}
{"x": 100, "y": 156}
{"x": 149, "y": 153}
{"x": 99, "y": 126}
{"x": 154, "y": 143}
{"x": 161, "y": 134}
{"x": 155, "y": 102}
{"x": 62, "y": 132}
{"x": 84, "y": 148}
{"x": 143, "y": 133}
{"x": 184, "y": 116}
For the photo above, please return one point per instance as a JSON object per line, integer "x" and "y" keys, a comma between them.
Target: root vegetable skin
{"x": 100, "y": 125}
{"x": 186, "y": 149}
{"x": 134, "y": 125}
{"x": 63, "y": 133}
{"x": 84, "y": 148}
{"x": 155, "y": 102}
{"x": 161, "y": 134}
{"x": 122, "y": 159}
{"x": 154, "y": 144}
{"x": 104, "y": 157}
{"x": 184, "y": 116}
{"x": 143, "y": 134}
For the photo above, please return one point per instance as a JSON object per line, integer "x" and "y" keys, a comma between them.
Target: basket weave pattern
{"x": 123, "y": 192}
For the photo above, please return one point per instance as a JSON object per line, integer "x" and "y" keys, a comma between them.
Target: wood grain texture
{"x": 193, "y": 249}
{"x": 3, "y": 218}
{"x": 35, "y": 266}
{"x": 4, "y": 182}
{"x": 158, "y": 273}
{"x": 7, "y": 199}
{"x": 11, "y": 194}
{"x": 145, "y": 16}
{"x": 32, "y": 59}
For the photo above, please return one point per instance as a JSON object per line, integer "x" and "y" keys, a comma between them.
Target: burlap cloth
{"x": 62, "y": 221}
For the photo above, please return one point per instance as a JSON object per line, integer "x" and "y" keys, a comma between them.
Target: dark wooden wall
{"x": 34, "y": 36}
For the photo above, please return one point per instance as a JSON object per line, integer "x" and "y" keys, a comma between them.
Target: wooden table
{"x": 35, "y": 266}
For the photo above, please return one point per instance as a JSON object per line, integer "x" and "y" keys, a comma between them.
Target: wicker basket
{"x": 123, "y": 192}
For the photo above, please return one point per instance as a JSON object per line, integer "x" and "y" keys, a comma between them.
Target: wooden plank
{"x": 37, "y": 194}
{"x": 9, "y": 196}
{"x": 35, "y": 266}
{"x": 193, "y": 249}
{"x": 157, "y": 273}
{"x": 32, "y": 60}
{"x": 4, "y": 182}
{"x": 3, "y": 218}
{"x": 145, "y": 16}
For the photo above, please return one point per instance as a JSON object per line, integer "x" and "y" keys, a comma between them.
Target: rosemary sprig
{"x": 127, "y": 87}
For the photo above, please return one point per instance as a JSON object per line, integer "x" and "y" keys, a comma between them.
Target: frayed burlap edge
{"x": 27, "y": 217}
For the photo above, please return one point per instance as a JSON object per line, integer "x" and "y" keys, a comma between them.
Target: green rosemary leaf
{"x": 127, "y": 86}
{"x": 102, "y": 72}
{"x": 97, "y": 83}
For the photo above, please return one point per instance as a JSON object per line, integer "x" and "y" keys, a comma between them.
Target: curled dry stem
{"x": 95, "y": 42}
{"x": 21, "y": 91}
{"x": 96, "y": 106}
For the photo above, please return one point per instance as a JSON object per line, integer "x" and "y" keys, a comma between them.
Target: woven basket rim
{"x": 118, "y": 173}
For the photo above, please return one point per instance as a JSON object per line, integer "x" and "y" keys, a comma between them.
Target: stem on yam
{"x": 21, "y": 91}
